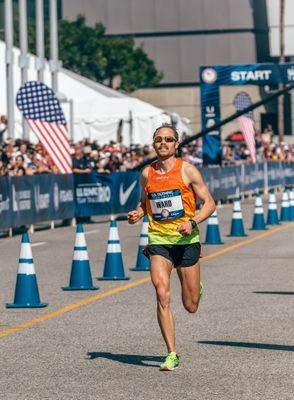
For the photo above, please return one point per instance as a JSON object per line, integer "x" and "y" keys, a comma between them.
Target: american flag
{"x": 242, "y": 101}
{"x": 41, "y": 109}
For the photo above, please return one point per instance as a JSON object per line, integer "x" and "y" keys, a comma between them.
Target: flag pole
{"x": 9, "y": 60}
{"x": 55, "y": 64}
{"x": 23, "y": 58}
{"x": 40, "y": 65}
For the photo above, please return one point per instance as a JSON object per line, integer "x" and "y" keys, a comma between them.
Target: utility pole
{"x": 281, "y": 61}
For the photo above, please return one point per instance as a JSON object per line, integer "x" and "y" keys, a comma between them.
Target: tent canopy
{"x": 93, "y": 110}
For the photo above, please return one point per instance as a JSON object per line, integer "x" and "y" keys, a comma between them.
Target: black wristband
{"x": 193, "y": 223}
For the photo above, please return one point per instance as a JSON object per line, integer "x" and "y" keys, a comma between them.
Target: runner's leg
{"x": 190, "y": 282}
{"x": 161, "y": 269}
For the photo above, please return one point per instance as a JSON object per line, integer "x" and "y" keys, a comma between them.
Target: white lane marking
{"x": 90, "y": 232}
{"x": 38, "y": 244}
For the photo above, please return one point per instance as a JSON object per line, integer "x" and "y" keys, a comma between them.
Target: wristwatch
{"x": 193, "y": 223}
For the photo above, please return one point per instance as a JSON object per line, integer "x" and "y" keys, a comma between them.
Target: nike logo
{"x": 124, "y": 195}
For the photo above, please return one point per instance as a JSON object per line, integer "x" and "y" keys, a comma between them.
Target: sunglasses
{"x": 167, "y": 139}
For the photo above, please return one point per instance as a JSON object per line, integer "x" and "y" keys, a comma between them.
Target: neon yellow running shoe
{"x": 201, "y": 290}
{"x": 171, "y": 362}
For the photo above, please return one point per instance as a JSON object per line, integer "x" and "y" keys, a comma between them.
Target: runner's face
{"x": 165, "y": 143}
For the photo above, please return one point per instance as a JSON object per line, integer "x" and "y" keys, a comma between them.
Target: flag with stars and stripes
{"x": 242, "y": 101}
{"x": 41, "y": 110}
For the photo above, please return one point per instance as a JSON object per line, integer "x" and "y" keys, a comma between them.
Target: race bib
{"x": 166, "y": 205}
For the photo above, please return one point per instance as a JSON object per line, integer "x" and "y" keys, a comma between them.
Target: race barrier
{"x": 26, "y": 289}
{"x": 291, "y": 200}
{"x": 142, "y": 263}
{"x": 237, "y": 226}
{"x": 113, "y": 266}
{"x": 272, "y": 213}
{"x": 80, "y": 277}
{"x": 28, "y": 200}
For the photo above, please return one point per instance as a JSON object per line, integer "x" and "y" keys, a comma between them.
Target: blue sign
{"x": 100, "y": 194}
{"x": 212, "y": 77}
{"x": 5, "y": 203}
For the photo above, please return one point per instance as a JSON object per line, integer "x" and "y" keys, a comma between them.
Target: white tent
{"x": 97, "y": 110}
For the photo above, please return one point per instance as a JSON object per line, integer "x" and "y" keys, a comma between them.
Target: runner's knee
{"x": 163, "y": 294}
{"x": 191, "y": 305}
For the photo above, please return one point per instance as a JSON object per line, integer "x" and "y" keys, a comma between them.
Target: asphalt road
{"x": 106, "y": 344}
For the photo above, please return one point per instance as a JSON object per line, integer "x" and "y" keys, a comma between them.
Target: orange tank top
{"x": 168, "y": 203}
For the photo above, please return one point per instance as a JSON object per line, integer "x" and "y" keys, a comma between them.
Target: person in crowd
{"x": 170, "y": 189}
{"x": 3, "y": 126}
{"x": 88, "y": 157}
{"x": 18, "y": 167}
{"x": 80, "y": 164}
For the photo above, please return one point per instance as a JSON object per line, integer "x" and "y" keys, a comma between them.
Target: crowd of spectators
{"x": 268, "y": 148}
{"x": 19, "y": 157}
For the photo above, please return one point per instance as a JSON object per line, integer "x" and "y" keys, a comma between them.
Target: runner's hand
{"x": 185, "y": 228}
{"x": 133, "y": 217}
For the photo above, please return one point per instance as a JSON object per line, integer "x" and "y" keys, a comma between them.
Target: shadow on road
{"x": 284, "y": 293}
{"x": 262, "y": 346}
{"x": 135, "y": 359}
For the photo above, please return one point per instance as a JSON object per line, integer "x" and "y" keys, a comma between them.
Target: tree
{"x": 90, "y": 52}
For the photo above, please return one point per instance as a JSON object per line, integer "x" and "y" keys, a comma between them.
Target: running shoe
{"x": 201, "y": 290}
{"x": 171, "y": 362}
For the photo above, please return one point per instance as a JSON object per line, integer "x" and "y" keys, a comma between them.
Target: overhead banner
{"x": 212, "y": 77}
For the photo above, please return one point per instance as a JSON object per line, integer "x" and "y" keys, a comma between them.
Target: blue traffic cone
{"x": 237, "y": 227}
{"x": 258, "y": 217}
{"x": 80, "y": 276}
{"x": 26, "y": 290}
{"x": 291, "y": 201}
{"x": 212, "y": 231}
{"x": 113, "y": 266}
{"x": 285, "y": 207}
{"x": 272, "y": 213}
{"x": 143, "y": 263}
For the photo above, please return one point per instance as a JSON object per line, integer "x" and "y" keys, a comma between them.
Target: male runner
{"x": 170, "y": 188}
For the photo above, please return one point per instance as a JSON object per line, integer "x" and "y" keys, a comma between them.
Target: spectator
{"x": 79, "y": 162}
{"x": 3, "y": 126}
{"x": 18, "y": 167}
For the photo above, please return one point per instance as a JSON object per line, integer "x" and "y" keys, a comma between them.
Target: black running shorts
{"x": 181, "y": 255}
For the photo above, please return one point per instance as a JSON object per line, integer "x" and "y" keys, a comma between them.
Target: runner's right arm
{"x": 135, "y": 215}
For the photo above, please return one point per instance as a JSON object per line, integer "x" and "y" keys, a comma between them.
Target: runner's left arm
{"x": 201, "y": 191}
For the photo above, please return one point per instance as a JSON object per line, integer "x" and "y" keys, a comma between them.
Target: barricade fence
{"x": 27, "y": 200}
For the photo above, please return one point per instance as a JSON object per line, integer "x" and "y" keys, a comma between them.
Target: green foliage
{"x": 89, "y": 52}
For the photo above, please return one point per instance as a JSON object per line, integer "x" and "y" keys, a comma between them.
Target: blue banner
{"x": 25, "y": 200}
{"x": 62, "y": 197}
{"x": 212, "y": 77}
{"x": 5, "y": 203}
{"x": 22, "y": 200}
{"x": 92, "y": 194}
{"x": 100, "y": 194}
{"x": 222, "y": 182}
{"x": 275, "y": 174}
{"x": 125, "y": 191}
